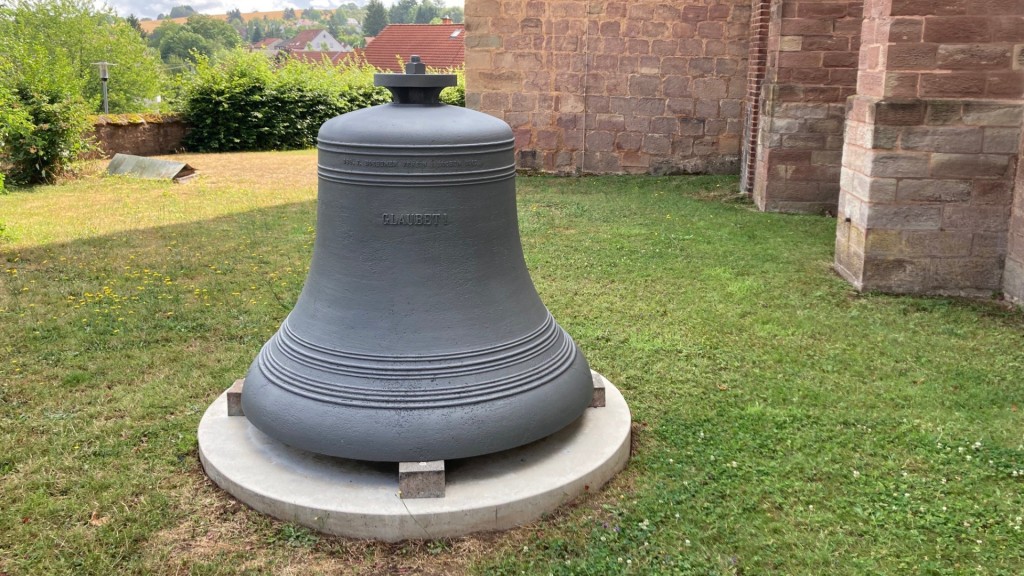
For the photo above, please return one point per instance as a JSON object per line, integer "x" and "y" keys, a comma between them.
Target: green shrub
{"x": 455, "y": 95}
{"x": 14, "y": 121}
{"x": 42, "y": 133}
{"x": 244, "y": 102}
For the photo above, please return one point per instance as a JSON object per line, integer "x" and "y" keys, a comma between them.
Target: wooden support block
{"x": 598, "y": 400}
{"x": 235, "y": 398}
{"x": 421, "y": 479}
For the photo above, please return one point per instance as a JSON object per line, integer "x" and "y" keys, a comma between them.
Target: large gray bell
{"x": 418, "y": 334}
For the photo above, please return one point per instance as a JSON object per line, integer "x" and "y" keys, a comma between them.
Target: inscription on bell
{"x": 421, "y": 219}
{"x": 372, "y": 163}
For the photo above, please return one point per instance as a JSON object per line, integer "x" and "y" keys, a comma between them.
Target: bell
{"x": 418, "y": 334}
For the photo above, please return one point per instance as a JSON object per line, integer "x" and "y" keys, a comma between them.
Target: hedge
{"x": 247, "y": 102}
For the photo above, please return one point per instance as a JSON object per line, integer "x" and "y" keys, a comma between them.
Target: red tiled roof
{"x": 438, "y": 45}
{"x": 302, "y": 38}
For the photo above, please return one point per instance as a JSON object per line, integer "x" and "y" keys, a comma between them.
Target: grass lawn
{"x": 784, "y": 424}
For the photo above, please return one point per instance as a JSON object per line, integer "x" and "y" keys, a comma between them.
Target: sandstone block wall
{"x": 603, "y": 86}
{"x": 927, "y": 190}
{"x": 139, "y": 135}
{"x": 1013, "y": 274}
{"x": 932, "y": 147}
{"x": 812, "y": 55}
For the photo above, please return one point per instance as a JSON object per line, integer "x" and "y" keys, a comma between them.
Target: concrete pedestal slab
{"x": 361, "y": 500}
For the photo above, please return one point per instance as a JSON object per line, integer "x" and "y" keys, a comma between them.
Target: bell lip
{"x": 377, "y": 434}
{"x": 415, "y": 80}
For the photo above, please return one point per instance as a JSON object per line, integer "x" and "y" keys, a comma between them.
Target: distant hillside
{"x": 150, "y": 25}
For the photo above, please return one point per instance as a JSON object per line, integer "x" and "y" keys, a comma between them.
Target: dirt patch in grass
{"x": 256, "y": 171}
{"x": 215, "y": 529}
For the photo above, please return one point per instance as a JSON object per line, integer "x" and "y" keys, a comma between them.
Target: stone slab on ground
{"x": 421, "y": 479}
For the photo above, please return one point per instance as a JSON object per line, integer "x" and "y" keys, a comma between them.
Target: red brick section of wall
{"x": 932, "y": 146}
{"x": 148, "y": 135}
{"x": 596, "y": 86}
{"x": 1013, "y": 274}
{"x": 811, "y": 71}
{"x": 757, "y": 59}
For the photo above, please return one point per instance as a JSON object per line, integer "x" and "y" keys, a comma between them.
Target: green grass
{"x": 784, "y": 424}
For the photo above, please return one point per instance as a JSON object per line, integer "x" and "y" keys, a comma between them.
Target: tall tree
{"x": 256, "y": 31}
{"x": 428, "y": 10}
{"x": 403, "y": 12}
{"x": 376, "y": 18}
{"x": 237, "y": 22}
{"x": 134, "y": 22}
{"x": 289, "y": 14}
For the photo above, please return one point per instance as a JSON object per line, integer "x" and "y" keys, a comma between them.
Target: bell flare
{"x": 416, "y": 407}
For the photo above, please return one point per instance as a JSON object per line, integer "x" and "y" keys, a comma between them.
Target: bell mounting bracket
{"x": 415, "y": 86}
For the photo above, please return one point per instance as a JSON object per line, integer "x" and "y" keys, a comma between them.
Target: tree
{"x": 51, "y": 47}
{"x": 428, "y": 10}
{"x": 158, "y": 33}
{"x": 134, "y": 22}
{"x": 235, "y": 19}
{"x": 181, "y": 12}
{"x": 456, "y": 13}
{"x": 203, "y": 34}
{"x": 219, "y": 33}
{"x": 403, "y": 12}
{"x": 289, "y": 14}
{"x": 256, "y": 31}
{"x": 311, "y": 14}
{"x": 273, "y": 29}
{"x": 184, "y": 44}
{"x": 376, "y": 18}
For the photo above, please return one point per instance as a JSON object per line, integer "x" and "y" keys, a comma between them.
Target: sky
{"x": 151, "y": 8}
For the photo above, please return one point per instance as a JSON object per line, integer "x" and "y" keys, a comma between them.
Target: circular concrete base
{"x": 360, "y": 499}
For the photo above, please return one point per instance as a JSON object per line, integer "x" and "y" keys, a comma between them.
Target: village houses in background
{"x": 317, "y": 36}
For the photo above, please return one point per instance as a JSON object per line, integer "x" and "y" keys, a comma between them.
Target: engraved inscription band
{"x": 421, "y": 219}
